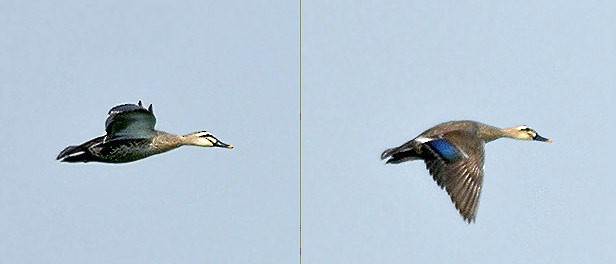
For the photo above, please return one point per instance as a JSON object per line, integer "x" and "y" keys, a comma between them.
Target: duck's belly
{"x": 126, "y": 151}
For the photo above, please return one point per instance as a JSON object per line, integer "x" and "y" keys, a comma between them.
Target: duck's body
{"x": 454, "y": 155}
{"x": 131, "y": 136}
{"x": 120, "y": 151}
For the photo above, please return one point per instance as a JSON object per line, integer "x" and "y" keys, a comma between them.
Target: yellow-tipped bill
{"x": 221, "y": 144}
{"x": 540, "y": 138}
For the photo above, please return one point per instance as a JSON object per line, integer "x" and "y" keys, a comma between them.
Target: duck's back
{"x": 461, "y": 125}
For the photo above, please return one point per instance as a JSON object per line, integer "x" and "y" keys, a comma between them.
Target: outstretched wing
{"x": 130, "y": 121}
{"x": 457, "y": 166}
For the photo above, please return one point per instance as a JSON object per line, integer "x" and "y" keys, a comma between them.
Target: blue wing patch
{"x": 445, "y": 149}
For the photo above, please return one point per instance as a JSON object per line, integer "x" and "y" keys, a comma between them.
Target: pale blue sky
{"x": 229, "y": 67}
{"x": 377, "y": 73}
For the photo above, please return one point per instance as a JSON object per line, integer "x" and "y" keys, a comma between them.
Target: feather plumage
{"x": 130, "y": 136}
{"x": 454, "y": 155}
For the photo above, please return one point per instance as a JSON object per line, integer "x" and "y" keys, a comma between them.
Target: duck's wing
{"x": 130, "y": 121}
{"x": 456, "y": 164}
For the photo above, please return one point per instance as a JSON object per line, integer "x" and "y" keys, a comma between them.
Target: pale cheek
{"x": 205, "y": 142}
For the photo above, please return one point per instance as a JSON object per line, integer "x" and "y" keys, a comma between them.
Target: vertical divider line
{"x": 300, "y": 131}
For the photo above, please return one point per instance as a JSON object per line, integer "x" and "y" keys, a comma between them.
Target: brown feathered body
{"x": 454, "y": 155}
{"x": 130, "y": 136}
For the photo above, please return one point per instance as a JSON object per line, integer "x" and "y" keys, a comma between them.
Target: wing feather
{"x": 462, "y": 177}
{"x": 130, "y": 121}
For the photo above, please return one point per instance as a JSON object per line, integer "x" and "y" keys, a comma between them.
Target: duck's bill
{"x": 540, "y": 138}
{"x": 220, "y": 144}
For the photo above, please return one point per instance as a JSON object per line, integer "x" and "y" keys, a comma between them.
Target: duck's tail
{"x": 79, "y": 153}
{"x": 400, "y": 154}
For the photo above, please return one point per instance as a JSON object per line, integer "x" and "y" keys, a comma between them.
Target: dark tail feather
{"x": 79, "y": 153}
{"x": 399, "y": 154}
{"x": 75, "y": 154}
{"x": 67, "y": 151}
{"x": 388, "y": 152}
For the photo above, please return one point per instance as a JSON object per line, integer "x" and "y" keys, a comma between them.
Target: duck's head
{"x": 204, "y": 139}
{"x": 524, "y": 133}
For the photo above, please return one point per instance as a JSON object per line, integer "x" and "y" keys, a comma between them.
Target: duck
{"x": 130, "y": 136}
{"x": 454, "y": 156}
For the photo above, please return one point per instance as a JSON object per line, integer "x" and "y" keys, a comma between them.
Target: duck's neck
{"x": 170, "y": 141}
{"x": 489, "y": 133}
{"x": 512, "y": 132}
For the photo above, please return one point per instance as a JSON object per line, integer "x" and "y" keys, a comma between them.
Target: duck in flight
{"x": 454, "y": 156}
{"x": 130, "y": 136}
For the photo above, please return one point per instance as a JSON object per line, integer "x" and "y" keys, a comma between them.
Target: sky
{"x": 374, "y": 75}
{"x": 377, "y": 73}
{"x": 228, "y": 67}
